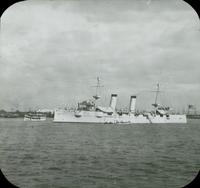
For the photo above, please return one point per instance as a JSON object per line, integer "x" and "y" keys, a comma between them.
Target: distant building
{"x": 46, "y": 111}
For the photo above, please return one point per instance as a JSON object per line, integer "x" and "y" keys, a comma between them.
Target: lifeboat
{"x": 77, "y": 114}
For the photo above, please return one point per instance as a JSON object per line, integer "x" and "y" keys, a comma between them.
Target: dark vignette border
{"x": 7, "y": 3}
{"x": 4, "y": 182}
{"x": 195, "y": 4}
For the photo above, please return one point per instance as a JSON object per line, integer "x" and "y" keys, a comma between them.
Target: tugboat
{"x": 88, "y": 112}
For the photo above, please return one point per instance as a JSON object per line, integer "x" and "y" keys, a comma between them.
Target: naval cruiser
{"x": 88, "y": 112}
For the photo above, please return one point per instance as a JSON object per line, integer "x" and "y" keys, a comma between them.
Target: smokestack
{"x": 132, "y": 104}
{"x": 113, "y": 101}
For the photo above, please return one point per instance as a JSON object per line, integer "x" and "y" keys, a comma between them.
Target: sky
{"x": 52, "y": 51}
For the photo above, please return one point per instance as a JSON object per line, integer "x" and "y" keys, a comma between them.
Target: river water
{"x": 61, "y": 155}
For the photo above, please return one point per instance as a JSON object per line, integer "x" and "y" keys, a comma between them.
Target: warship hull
{"x": 98, "y": 117}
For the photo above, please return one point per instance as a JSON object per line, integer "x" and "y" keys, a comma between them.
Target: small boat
{"x": 34, "y": 117}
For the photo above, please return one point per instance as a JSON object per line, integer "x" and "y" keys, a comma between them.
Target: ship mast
{"x": 156, "y": 98}
{"x": 157, "y": 91}
{"x": 96, "y": 96}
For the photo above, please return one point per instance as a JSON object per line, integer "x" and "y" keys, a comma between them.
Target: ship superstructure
{"x": 88, "y": 112}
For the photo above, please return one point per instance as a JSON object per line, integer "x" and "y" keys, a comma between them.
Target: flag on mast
{"x": 190, "y": 106}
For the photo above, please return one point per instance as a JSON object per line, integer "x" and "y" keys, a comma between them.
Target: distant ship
{"x": 88, "y": 112}
{"x": 192, "y": 112}
{"x": 193, "y": 116}
{"x": 34, "y": 117}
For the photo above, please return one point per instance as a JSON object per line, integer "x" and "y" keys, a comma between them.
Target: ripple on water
{"x": 75, "y": 155}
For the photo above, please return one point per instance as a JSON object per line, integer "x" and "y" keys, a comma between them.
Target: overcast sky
{"x": 53, "y": 50}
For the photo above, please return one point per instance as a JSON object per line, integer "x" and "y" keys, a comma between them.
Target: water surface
{"x": 58, "y": 155}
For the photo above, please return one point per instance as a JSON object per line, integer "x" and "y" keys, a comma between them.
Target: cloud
{"x": 52, "y": 51}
